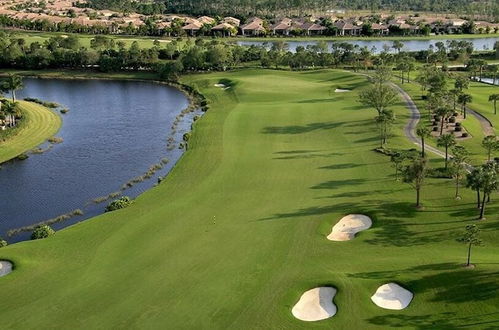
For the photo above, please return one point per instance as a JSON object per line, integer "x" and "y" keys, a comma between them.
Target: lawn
{"x": 238, "y": 229}
{"x": 41, "y": 123}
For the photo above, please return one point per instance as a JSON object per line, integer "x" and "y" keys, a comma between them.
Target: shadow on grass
{"x": 317, "y": 100}
{"x": 305, "y": 154}
{"x": 336, "y": 184}
{"x": 340, "y": 166}
{"x": 300, "y": 129}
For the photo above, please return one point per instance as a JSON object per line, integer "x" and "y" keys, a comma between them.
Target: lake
{"x": 114, "y": 131}
{"x": 377, "y": 45}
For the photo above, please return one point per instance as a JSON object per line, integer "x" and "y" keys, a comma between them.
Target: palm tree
{"x": 11, "y": 84}
{"x": 446, "y": 141}
{"x": 423, "y": 132}
{"x": 490, "y": 184}
{"x": 494, "y": 98}
{"x": 470, "y": 237}
{"x": 415, "y": 174}
{"x": 398, "y": 45}
{"x": 458, "y": 163}
{"x": 464, "y": 99}
{"x": 443, "y": 113}
{"x": 490, "y": 143}
{"x": 493, "y": 69}
{"x": 474, "y": 181}
{"x": 10, "y": 109}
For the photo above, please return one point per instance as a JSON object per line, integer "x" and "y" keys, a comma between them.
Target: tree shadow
{"x": 306, "y": 155}
{"x": 317, "y": 100}
{"x": 300, "y": 129}
{"x": 340, "y": 166}
{"x": 336, "y": 184}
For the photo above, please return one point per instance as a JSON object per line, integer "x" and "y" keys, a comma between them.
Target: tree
{"x": 384, "y": 122}
{"x": 474, "y": 181}
{"x": 423, "y": 132}
{"x": 464, "y": 99}
{"x": 11, "y": 84}
{"x": 443, "y": 112}
{"x": 490, "y": 143}
{"x": 378, "y": 97}
{"x": 398, "y": 45}
{"x": 458, "y": 164}
{"x": 489, "y": 184}
{"x": 42, "y": 231}
{"x": 446, "y": 141}
{"x": 470, "y": 237}
{"x": 461, "y": 83}
{"x": 415, "y": 174}
{"x": 398, "y": 159}
{"x": 494, "y": 98}
{"x": 3, "y": 242}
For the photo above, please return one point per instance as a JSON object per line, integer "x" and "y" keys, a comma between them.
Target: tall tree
{"x": 458, "y": 166}
{"x": 470, "y": 237}
{"x": 474, "y": 181}
{"x": 446, "y": 141}
{"x": 464, "y": 99}
{"x": 489, "y": 184}
{"x": 423, "y": 132}
{"x": 11, "y": 84}
{"x": 490, "y": 143}
{"x": 494, "y": 98}
{"x": 384, "y": 122}
{"x": 378, "y": 97}
{"x": 415, "y": 174}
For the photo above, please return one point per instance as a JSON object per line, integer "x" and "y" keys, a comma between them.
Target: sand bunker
{"x": 392, "y": 296}
{"x": 316, "y": 304}
{"x": 348, "y": 226}
{"x": 339, "y": 90}
{"x": 222, "y": 86}
{"x": 5, "y": 268}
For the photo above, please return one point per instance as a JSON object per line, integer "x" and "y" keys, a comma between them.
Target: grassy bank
{"x": 41, "y": 123}
{"x": 236, "y": 232}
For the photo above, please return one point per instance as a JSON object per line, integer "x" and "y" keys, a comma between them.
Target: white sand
{"x": 348, "y": 226}
{"x": 316, "y": 304}
{"x": 392, "y": 296}
{"x": 220, "y": 85}
{"x": 5, "y": 268}
{"x": 339, "y": 90}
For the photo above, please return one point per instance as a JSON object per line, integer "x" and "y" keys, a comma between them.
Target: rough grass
{"x": 237, "y": 231}
{"x": 41, "y": 123}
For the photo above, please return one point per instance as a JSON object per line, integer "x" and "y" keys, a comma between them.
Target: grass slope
{"x": 237, "y": 231}
{"x": 41, "y": 123}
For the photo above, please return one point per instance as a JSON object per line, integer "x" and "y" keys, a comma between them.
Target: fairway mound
{"x": 348, "y": 226}
{"x": 5, "y": 268}
{"x": 392, "y": 296}
{"x": 340, "y": 90}
{"x": 315, "y": 304}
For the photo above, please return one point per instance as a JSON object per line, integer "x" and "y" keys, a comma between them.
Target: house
{"x": 313, "y": 29}
{"x": 192, "y": 28}
{"x": 224, "y": 29}
{"x": 232, "y": 21}
{"x": 282, "y": 27}
{"x": 253, "y": 28}
{"x": 206, "y": 20}
{"x": 380, "y": 29}
{"x": 345, "y": 28}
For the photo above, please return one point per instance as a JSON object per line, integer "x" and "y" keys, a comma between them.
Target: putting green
{"x": 236, "y": 233}
{"x": 41, "y": 123}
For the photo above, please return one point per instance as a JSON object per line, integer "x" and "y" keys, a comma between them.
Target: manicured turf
{"x": 237, "y": 232}
{"x": 41, "y": 123}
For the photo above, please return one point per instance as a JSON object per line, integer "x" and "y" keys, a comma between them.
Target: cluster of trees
{"x": 441, "y": 103}
{"x": 271, "y": 8}
{"x": 10, "y": 113}
{"x": 126, "y": 6}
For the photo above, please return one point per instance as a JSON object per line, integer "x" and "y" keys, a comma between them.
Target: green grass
{"x": 237, "y": 231}
{"x": 41, "y": 123}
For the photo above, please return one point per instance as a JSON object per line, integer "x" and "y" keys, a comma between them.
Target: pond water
{"x": 114, "y": 131}
{"x": 376, "y": 46}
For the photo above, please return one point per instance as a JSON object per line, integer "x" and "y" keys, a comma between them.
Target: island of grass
{"x": 237, "y": 231}
{"x": 38, "y": 124}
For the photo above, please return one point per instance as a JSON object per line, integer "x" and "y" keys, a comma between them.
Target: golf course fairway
{"x": 237, "y": 231}
{"x": 41, "y": 123}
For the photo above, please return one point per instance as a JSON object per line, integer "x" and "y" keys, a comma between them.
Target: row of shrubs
{"x": 51, "y": 105}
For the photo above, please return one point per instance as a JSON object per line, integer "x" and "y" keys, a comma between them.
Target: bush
{"x": 3, "y": 242}
{"x": 435, "y": 129}
{"x": 440, "y": 173}
{"x": 119, "y": 203}
{"x": 186, "y": 136}
{"x": 458, "y": 129}
{"x": 42, "y": 231}
{"x": 63, "y": 111}
{"x": 458, "y": 124}
{"x": 452, "y": 119}
{"x": 455, "y": 114}
{"x": 464, "y": 135}
{"x": 22, "y": 157}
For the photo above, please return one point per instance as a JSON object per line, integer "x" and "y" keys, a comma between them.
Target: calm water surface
{"x": 377, "y": 45}
{"x": 114, "y": 131}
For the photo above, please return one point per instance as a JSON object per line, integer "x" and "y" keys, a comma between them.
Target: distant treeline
{"x": 271, "y": 8}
